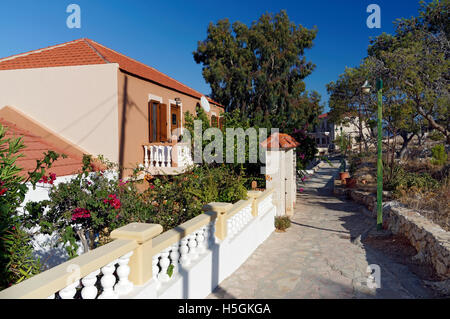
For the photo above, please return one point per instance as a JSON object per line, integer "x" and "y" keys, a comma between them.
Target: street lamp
{"x": 366, "y": 89}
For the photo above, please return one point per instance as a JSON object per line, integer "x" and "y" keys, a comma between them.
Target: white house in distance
{"x": 326, "y": 132}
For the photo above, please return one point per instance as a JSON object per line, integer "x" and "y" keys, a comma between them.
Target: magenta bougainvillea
{"x": 80, "y": 213}
{"x": 48, "y": 179}
{"x": 113, "y": 201}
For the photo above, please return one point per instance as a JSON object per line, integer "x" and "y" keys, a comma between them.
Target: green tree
{"x": 259, "y": 69}
{"x": 415, "y": 62}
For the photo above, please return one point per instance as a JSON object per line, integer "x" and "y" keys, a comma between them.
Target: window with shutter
{"x": 214, "y": 122}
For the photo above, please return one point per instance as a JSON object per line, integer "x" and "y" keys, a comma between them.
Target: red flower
{"x": 152, "y": 186}
{"x": 3, "y": 191}
{"x": 80, "y": 213}
{"x": 113, "y": 201}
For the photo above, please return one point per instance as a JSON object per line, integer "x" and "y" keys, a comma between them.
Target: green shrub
{"x": 282, "y": 223}
{"x": 439, "y": 155}
{"x": 401, "y": 179}
{"x": 179, "y": 198}
{"x": 436, "y": 136}
{"x": 16, "y": 259}
{"x": 90, "y": 206}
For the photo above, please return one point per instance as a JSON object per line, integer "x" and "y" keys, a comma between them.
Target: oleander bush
{"x": 17, "y": 262}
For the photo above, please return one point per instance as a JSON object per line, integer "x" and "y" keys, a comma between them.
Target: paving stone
{"x": 316, "y": 258}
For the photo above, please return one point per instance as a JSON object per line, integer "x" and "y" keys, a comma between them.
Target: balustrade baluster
{"x": 185, "y": 259}
{"x": 108, "y": 280}
{"x": 145, "y": 156}
{"x": 124, "y": 286}
{"x": 70, "y": 291}
{"x": 200, "y": 237}
{"x": 164, "y": 263}
{"x": 155, "y": 269}
{"x": 174, "y": 257}
{"x": 193, "y": 254}
{"x": 89, "y": 290}
{"x": 169, "y": 156}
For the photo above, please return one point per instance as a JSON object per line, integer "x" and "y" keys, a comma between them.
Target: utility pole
{"x": 380, "y": 156}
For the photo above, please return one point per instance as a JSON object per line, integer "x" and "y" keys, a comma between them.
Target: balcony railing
{"x": 167, "y": 155}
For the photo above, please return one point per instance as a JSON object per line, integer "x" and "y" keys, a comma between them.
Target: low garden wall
{"x": 430, "y": 240}
{"x": 188, "y": 261}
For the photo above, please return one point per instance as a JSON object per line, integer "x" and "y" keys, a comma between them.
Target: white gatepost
{"x": 281, "y": 171}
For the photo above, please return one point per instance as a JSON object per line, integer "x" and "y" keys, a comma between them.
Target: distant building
{"x": 326, "y": 132}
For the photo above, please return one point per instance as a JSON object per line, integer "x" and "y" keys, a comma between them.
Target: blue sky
{"x": 163, "y": 34}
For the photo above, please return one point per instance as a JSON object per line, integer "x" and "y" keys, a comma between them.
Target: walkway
{"x": 317, "y": 257}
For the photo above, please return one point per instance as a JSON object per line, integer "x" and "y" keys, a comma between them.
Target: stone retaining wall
{"x": 430, "y": 240}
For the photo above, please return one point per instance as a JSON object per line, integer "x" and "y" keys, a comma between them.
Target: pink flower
{"x": 302, "y": 156}
{"x": 113, "y": 201}
{"x": 301, "y": 189}
{"x": 80, "y": 213}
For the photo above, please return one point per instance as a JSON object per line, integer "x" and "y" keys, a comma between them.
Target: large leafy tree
{"x": 415, "y": 62}
{"x": 414, "y": 66}
{"x": 260, "y": 69}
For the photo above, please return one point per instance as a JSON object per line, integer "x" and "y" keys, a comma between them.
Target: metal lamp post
{"x": 366, "y": 89}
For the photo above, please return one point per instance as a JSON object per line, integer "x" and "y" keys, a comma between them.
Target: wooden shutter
{"x": 162, "y": 123}
{"x": 214, "y": 121}
{"x": 221, "y": 122}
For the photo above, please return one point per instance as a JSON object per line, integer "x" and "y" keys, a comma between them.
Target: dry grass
{"x": 434, "y": 205}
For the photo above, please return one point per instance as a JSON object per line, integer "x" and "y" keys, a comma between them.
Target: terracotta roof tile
{"x": 279, "y": 140}
{"x": 34, "y": 150}
{"x": 87, "y": 52}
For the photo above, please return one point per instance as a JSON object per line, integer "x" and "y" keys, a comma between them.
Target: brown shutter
{"x": 214, "y": 121}
{"x": 221, "y": 122}
{"x": 162, "y": 121}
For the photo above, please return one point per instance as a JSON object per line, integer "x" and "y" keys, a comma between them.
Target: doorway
{"x": 157, "y": 122}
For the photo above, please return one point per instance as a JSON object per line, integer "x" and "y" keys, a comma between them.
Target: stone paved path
{"x": 317, "y": 257}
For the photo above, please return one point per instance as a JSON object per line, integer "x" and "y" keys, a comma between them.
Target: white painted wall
{"x": 78, "y": 102}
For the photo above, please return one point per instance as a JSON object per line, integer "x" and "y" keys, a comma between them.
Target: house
{"x": 326, "y": 132}
{"x": 87, "y": 98}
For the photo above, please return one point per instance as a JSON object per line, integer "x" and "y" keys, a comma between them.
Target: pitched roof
{"x": 34, "y": 150}
{"x": 86, "y": 52}
{"x": 321, "y": 116}
{"x": 279, "y": 140}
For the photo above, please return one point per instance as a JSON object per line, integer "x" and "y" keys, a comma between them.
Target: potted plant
{"x": 343, "y": 174}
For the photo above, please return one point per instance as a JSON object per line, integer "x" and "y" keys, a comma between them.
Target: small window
{"x": 174, "y": 119}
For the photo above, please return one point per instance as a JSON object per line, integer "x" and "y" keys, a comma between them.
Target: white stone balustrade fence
{"x": 141, "y": 262}
{"x": 160, "y": 155}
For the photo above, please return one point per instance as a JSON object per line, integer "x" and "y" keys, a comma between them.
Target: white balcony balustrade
{"x": 162, "y": 157}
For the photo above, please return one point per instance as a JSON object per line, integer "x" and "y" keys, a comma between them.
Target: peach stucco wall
{"x": 133, "y": 98}
{"x": 77, "y": 102}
